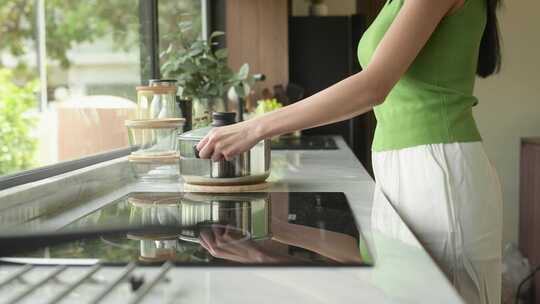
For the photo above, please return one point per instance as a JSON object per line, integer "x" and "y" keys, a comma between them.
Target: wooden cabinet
{"x": 529, "y": 222}
{"x": 257, "y": 34}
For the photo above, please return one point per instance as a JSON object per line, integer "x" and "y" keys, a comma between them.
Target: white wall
{"x": 510, "y": 102}
{"x": 335, "y": 7}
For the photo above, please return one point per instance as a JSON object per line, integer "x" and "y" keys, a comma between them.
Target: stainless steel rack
{"x": 63, "y": 289}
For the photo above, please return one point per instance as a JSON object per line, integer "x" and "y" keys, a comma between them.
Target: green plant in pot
{"x": 203, "y": 75}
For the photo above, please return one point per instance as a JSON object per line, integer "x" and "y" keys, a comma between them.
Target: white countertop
{"x": 403, "y": 271}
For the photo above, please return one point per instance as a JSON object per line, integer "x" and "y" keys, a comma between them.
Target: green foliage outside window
{"x": 17, "y": 146}
{"x": 68, "y": 24}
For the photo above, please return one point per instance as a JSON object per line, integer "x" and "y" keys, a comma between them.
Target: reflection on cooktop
{"x": 304, "y": 229}
{"x": 304, "y": 142}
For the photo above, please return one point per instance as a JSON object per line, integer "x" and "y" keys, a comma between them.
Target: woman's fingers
{"x": 206, "y": 240}
{"x": 231, "y": 147}
{"x": 217, "y": 154}
{"x": 227, "y": 235}
{"x": 207, "y": 150}
{"x": 202, "y": 143}
{"x": 204, "y": 244}
{"x": 225, "y": 142}
{"x": 217, "y": 233}
{"x": 214, "y": 147}
{"x": 207, "y": 235}
{"x": 209, "y": 146}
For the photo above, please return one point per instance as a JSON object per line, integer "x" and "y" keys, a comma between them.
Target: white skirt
{"x": 450, "y": 197}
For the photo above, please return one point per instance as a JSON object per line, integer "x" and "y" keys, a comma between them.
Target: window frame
{"x": 37, "y": 174}
{"x": 149, "y": 31}
{"x": 149, "y": 36}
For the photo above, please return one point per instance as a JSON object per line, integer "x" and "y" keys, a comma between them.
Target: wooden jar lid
{"x": 166, "y": 123}
{"x": 157, "y": 89}
{"x": 170, "y": 158}
{"x": 152, "y": 200}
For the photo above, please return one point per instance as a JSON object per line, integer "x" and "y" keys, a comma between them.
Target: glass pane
{"x": 93, "y": 64}
{"x": 18, "y": 86}
{"x": 177, "y": 18}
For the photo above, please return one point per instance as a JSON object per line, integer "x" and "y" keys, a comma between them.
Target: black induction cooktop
{"x": 244, "y": 229}
{"x": 304, "y": 142}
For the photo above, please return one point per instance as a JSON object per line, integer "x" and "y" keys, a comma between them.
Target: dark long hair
{"x": 489, "y": 57}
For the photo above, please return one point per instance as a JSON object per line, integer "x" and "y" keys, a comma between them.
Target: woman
{"x": 420, "y": 58}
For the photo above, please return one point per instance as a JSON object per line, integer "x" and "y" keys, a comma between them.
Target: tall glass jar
{"x": 203, "y": 109}
{"x": 157, "y": 102}
{"x": 168, "y": 106}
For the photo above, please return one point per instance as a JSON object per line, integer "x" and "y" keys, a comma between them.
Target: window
{"x": 68, "y": 72}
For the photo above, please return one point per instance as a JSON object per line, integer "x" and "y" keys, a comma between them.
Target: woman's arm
{"x": 350, "y": 97}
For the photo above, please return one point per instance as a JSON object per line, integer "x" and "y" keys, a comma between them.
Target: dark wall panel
{"x": 322, "y": 52}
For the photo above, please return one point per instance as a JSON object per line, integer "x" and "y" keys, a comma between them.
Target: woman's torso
{"x": 432, "y": 102}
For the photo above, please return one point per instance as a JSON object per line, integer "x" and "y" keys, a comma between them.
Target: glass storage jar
{"x": 157, "y": 101}
{"x": 155, "y": 137}
{"x": 153, "y": 168}
{"x": 247, "y": 213}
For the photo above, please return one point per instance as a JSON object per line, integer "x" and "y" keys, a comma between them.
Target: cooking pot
{"x": 247, "y": 213}
{"x": 250, "y": 167}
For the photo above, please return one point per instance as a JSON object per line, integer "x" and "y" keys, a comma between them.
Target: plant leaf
{"x": 222, "y": 53}
{"x": 167, "y": 51}
{"x": 239, "y": 89}
{"x": 195, "y": 52}
{"x": 243, "y": 72}
{"x": 216, "y": 34}
{"x": 185, "y": 26}
{"x": 250, "y": 82}
{"x": 189, "y": 67}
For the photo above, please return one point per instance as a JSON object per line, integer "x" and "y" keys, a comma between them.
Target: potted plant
{"x": 203, "y": 75}
{"x": 317, "y": 8}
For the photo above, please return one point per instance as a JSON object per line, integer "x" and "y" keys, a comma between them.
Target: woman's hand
{"x": 225, "y": 242}
{"x": 229, "y": 141}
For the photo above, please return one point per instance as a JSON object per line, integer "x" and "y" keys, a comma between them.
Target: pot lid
{"x": 195, "y": 135}
{"x": 218, "y": 119}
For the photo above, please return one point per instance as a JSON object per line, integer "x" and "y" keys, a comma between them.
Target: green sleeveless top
{"x": 432, "y": 102}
